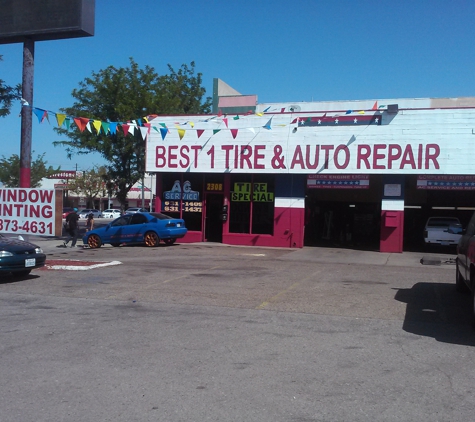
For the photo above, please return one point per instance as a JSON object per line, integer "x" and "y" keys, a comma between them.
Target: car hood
{"x": 15, "y": 245}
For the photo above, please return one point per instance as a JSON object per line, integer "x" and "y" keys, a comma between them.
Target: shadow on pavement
{"x": 437, "y": 310}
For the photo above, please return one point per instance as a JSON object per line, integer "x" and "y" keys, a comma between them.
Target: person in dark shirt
{"x": 73, "y": 228}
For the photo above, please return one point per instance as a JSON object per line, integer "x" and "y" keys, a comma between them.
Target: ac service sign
{"x": 27, "y": 211}
{"x": 413, "y": 141}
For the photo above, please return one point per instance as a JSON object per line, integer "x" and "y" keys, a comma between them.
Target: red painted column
{"x": 392, "y": 231}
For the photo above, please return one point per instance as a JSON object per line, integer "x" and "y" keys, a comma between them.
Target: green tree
{"x": 10, "y": 171}
{"x": 89, "y": 184}
{"x": 125, "y": 94}
{"x": 7, "y": 95}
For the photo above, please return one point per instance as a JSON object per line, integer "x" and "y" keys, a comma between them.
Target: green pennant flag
{"x": 215, "y": 131}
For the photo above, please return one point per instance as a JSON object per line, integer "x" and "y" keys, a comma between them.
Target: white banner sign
{"x": 411, "y": 142}
{"x": 27, "y": 211}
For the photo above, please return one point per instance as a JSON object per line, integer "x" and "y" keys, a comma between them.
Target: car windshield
{"x": 442, "y": 222}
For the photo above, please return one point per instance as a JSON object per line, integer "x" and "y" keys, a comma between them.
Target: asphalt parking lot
{"x": 194, "y": 332}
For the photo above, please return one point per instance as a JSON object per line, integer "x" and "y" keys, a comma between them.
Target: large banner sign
{"x": 416, "y": 141}
{"x": 27, "y": 211}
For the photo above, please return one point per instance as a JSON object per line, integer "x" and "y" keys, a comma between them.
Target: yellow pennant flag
{"x": 97, "y": 125}
{"x": 181, "y": 133}
{"x": 60, "y": 119}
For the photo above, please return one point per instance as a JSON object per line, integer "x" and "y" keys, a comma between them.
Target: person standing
{"x": 90, "y": 222}
{"x": 73, "y": 228}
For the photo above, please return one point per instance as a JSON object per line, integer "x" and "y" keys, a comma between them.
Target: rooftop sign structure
{"x": 45, "y": 20}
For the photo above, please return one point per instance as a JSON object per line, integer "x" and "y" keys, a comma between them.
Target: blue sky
{"x": 283, "y": 51}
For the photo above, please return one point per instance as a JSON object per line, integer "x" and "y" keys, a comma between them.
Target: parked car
{"x": 111, "y": 213}
{"x": 134, "y": 210}
{"x": 86, "y": 212}
{"x": 465, "y": 262}
{"x": 140, "y": 227}
{"x": 66, "y": 211}
{"x": 443, "y": 230}
{"x": 19, "y": 257}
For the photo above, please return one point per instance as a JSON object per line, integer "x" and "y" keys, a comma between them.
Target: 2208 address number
{"x": 28, "y": 226}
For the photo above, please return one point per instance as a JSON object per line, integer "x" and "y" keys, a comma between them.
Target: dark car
{"x": 19, "y": 257}
{"x": 465, "y": 262}
{"x": 140, "y": 227}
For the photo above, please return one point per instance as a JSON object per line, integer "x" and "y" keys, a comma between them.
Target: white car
{"x": 133, "y": 210}
{"x": 86, "y": 212}
{"x": 443, "y": 230}
{"x": 111, "y": 213}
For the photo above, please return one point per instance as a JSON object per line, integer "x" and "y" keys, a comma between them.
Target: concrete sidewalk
{"x": 51, "y": 245}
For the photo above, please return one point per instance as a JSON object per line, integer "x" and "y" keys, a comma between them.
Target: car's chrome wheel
{"x": 94, "y": 241}
{"x": 151, "y": 239}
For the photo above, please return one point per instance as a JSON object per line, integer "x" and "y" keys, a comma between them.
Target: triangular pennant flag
{"x": 349, "y": 111}
{"x": 97, "y": 125}
{"x": 81, "y": 122}
{"x": 88, "y": 127}
{"x": 156, "y": 129}
{"x": 132, "y": 129}
{"x": 215, "y": 131}
{"x": 181, "y": 133}
{"x": 234, "y": 132}
{"x": 68, "y": 123}
{"x": 139, "y": 122}
{"x": 45, "y": 114}
{"x": 375, "y": 106}
{"x": 225, "y": 122}
{"x": 113, "y": 128}
{"x": 60, "y": 118}
{"x": 251, "y": 129}
{"x": 144, "y": 132}
{"x": 361, "y": 112}
{"x": 125, "y": 128}
{"x": 266, "y": 109}
{"x": 199, "y": 132}
{"x": 236, "y": 118}
{"x": 267, "y": 125}
{"x": 259, "y": 114}
{"x": 148, "y": 126}
{"x": 146, "y": 119}
{"x": 163, "y": 132}
{"x": 220, "y": 113}
{"x": 105, "y": 127}
{"x": 39, "y": 114}
{"x": 163, "y": 125}
{"x": 192, "y": 124}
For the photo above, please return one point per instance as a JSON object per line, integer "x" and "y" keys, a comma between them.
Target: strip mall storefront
{"x": 289, "y": 175}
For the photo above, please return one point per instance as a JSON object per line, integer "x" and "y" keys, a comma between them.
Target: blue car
{"x": 141, "y": 227}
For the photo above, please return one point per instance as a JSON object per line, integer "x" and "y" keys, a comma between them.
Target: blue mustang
{"x": 142, "y": 227}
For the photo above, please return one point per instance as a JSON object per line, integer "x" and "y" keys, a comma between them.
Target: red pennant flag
{"x": 234, "y": 132}
{"x": 199, "y": 132}
{"x": 125, "y": 128}
{"x": 81, "y": 122}
{"x": 220, "y": 113}
{"x": 225, "y": 122}
{"x": 375, "y": 106}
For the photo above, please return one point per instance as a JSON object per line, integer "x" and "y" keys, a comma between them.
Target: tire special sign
{"x": 27, "y": 211}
